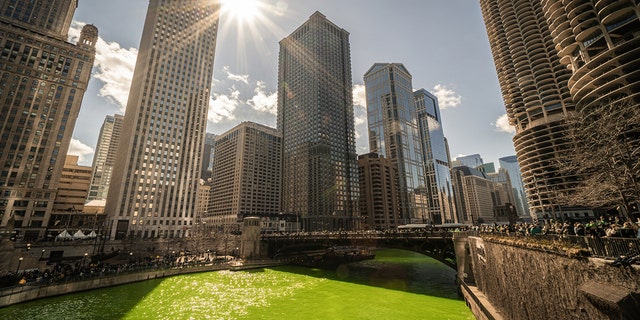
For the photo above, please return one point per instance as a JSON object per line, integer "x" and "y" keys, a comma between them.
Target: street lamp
{"x": 19, "y": 263}
{"x": 84, "y": 258}
{"x": 42, "y": 254}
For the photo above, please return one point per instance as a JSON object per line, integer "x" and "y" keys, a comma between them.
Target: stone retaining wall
{"x": 528, "y": 283}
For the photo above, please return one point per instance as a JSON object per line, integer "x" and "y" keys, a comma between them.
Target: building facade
{"x": 474, "y": 196}
{"x": 153, "y": 188}
{"x": 510, "y": 164}
{"x": 246, "y": 178}
{"x": 436, "y": 159}
{"x": 535, "y": 90}
{"x": 316, "y": 120}
{"x": 208, "y": 155}
{"x": 73, "y": 186}
{"x": 43, "y": 79}
{"x": 105, "y": 157}
{"x": 601, "y": 48}
{"x": 393, "y": 133}
{"x": 379, "y": 194}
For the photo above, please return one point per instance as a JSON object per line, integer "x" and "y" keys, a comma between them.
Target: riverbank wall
{"x": 28, "y": 292}
{"x": 506, "y": 279}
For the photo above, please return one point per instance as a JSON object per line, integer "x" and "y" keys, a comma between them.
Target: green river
{"x": 395, "y": 285}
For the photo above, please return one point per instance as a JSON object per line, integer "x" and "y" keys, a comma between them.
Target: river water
{"x": 395, "y": 285}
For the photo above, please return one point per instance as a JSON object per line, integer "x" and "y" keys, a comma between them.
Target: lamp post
{"x": 41, "y": 254}
{"x": 84, "y": 259}
{"x": 19, "y": 263}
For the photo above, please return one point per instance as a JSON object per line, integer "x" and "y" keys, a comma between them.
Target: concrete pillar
{"x": 250, "y": 239}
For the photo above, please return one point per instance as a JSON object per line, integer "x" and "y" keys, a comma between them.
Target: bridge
{"x": 435, "y": 244}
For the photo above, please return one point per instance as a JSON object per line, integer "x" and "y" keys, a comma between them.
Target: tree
{"x": 606, "y": 155}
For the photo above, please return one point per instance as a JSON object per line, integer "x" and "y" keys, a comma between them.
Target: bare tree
{"x": 606, "y": 155}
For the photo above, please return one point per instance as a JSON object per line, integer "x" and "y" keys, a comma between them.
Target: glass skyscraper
{"x": 393, "y": 133}
{"x": 316, "y": 120}
{"x": 153, "y": 189}
{"x": 510, "y": 164}
{"x": 435, "y": 155}
{"x": 43, "y": 79}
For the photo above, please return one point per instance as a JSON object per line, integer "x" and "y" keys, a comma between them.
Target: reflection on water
{"x": 396, "y": 285}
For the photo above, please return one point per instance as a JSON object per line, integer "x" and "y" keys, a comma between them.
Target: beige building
{"x": 379, "y": 198}
{"x": 477, "y": 197}
{"x": 153, "y": 189}
{"x": 73, "y": 186}
{"x": 42, "y": 82}
{"x": 246, "y": 175}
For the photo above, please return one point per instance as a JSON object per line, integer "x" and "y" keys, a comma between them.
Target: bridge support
{"x": 250, "y": 239}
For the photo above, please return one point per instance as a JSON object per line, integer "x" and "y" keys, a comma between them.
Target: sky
{"x": 443, "y": 44}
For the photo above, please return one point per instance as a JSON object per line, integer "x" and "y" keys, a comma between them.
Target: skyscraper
{"x": 601, "y": 48}
{"x": 105, "y": 157}
{"x": 208, "y": 156}
{"x": 246, "y": 179}
{"x": 393, "y": 133}
{"x": 153, "y": 189}
{"x": 510, "y": 164}
{"x": 42, "y": 82}
{"x": 535, "y": 91}
{"x": 435, "y": 155}
{"x": 316, "y": 120}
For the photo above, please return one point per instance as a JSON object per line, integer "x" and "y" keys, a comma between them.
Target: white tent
{"x": 92, "y": 234}
{"x": 64, "y": 235}
{"x": 79, "y": 235}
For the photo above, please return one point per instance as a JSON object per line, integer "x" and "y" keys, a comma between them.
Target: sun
{"x": 241, "y": 10}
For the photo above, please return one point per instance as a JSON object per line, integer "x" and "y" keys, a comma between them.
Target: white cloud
{"x": 235, "y": 77}
{"x": 263, "y": 101}
{"x": 83, "y": 151}
{"x": 113, "y": 66}
{"x": 222, "y": 106}
{"x": 447, "y": 98}
{"x": 502, "y": 124}
{"x": 359, "y": 97}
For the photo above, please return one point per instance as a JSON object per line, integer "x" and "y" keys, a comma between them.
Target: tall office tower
{"x": 510, "y": 164}
{"x": 207, "y": 156}
{"x": 378, "y": 193}
{"x": 153, "y": 188}
{"x": 246, "y": 178}
{"x": 536, "y": 96}
{"x": 601, "y": 48}
{"x": 105, "y": 157}
{"x": 435, "y": 156}
{"x": 315, "y": 118}
{"x": 393, "y": 133}
{"x": 42, "y": 82}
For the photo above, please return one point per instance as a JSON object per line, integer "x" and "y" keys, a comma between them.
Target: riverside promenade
{"x": 37, "y": 290}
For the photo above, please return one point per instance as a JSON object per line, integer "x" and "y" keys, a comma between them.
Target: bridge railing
{"x": 599, "y": 247}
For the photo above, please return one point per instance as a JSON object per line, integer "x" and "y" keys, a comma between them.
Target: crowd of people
{"x": 82, "y": 269}
{"x": 613, "y": 227}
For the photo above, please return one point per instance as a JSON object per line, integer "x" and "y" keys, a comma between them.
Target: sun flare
{"x": 242, "y": 10}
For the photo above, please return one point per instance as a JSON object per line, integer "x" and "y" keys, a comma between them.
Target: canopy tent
{"x": 64, "y": 235}
{"x": 92, "y": 234}
{"x": 79, "y": 235}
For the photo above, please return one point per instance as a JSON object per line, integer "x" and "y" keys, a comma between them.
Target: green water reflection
{"x": 396, "y": 285}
